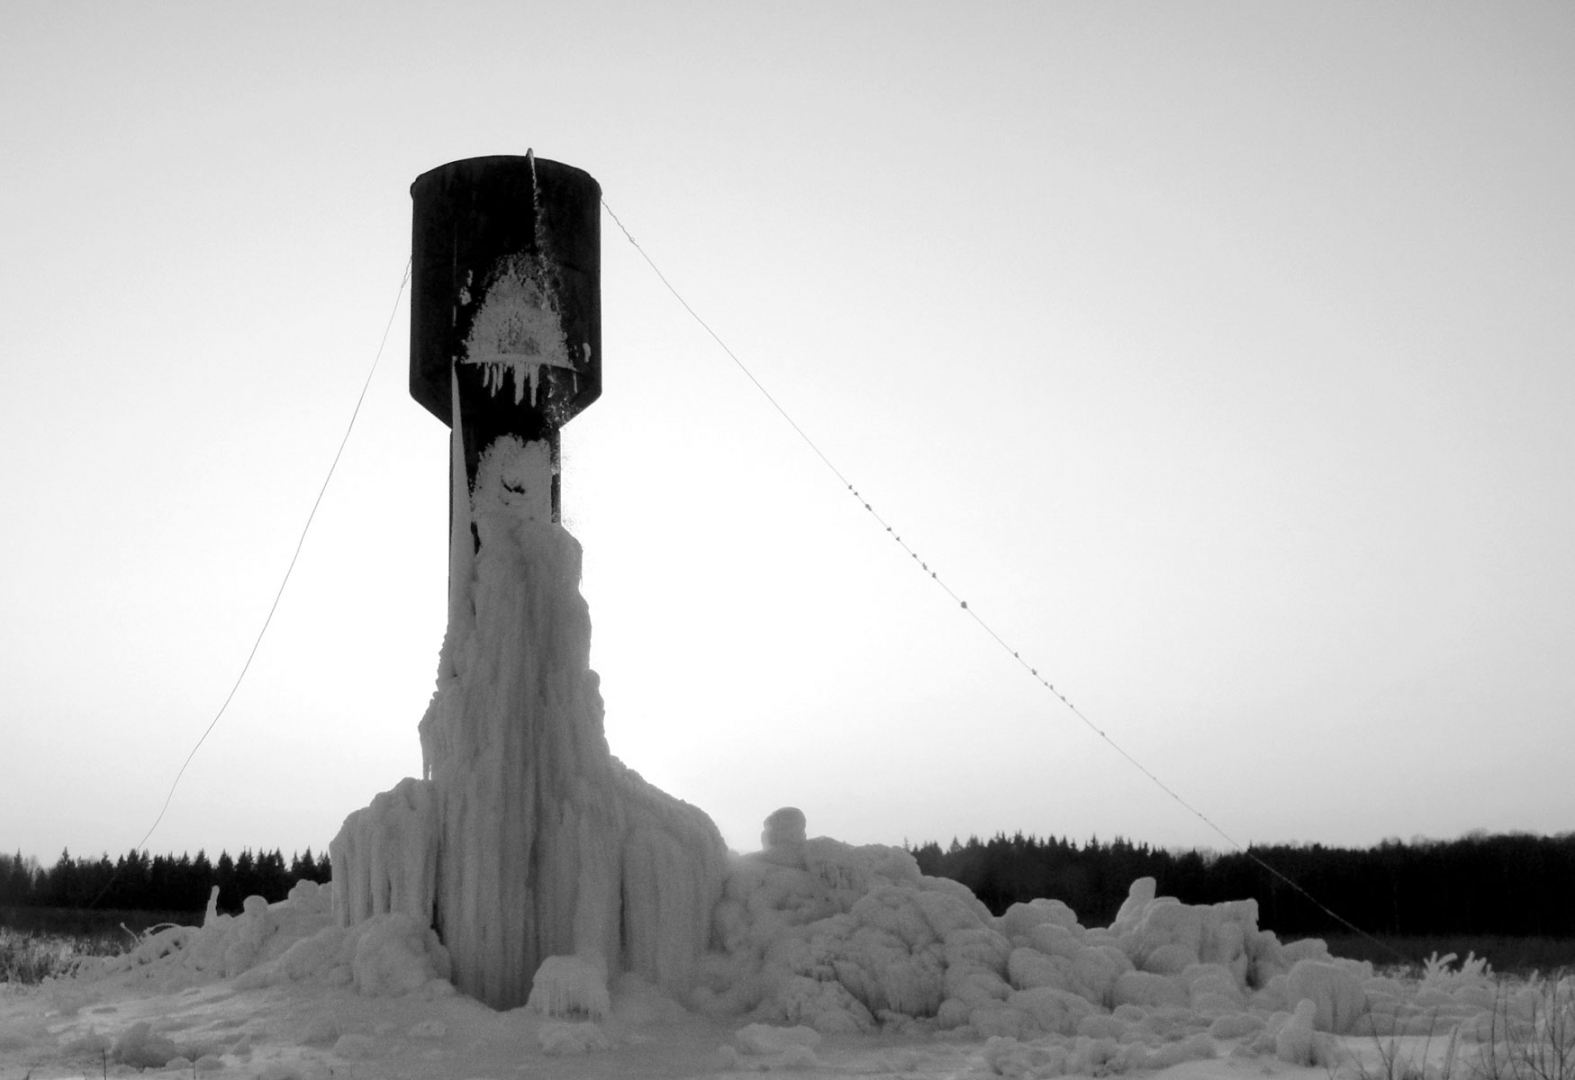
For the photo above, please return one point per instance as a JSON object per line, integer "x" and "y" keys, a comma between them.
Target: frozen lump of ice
{"x": 1334, "y": 989}
{"x": 1297, "y": 1043}
{"x": 782, "y": 840}
{"x": 570, "y": 987}
{"x": 396, "y": 955}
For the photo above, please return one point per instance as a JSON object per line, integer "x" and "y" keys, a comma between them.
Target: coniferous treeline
{"x": 143, "y": 882}
{"x": 1514, "y": 885}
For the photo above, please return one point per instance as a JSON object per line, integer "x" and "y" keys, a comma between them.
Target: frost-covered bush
{"x": 1530, "y": 1033}
{"x": 1437, "y": 974}
{"x": 29, "y": 959}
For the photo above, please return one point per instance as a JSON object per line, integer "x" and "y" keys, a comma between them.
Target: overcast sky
{"x": 1222, "y": 356}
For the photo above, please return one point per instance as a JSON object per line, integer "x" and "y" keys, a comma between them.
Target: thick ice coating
{"x": 844, "y": 939}
{"x": 527, "y": 839}
{"x": 293, "y": 941}
{"x": 811, "y": 937}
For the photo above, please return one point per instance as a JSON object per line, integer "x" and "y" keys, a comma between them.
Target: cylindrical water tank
{"x": 506, "y": 289}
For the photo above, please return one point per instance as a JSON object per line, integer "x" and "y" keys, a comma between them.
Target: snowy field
{"x": 829, "y": 960}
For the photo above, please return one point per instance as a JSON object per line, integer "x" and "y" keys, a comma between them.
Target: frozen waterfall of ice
{"x": 527, "y": 839}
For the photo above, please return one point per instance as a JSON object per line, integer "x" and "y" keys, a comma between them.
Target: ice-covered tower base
{"x": 528, "y": 839}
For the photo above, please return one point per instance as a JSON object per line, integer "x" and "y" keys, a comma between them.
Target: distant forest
{"x": 1515, "y": 885}
{"x": 143, "y": 882}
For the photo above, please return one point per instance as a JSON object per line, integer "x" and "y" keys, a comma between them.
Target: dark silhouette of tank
{"x": 505, "y": 312}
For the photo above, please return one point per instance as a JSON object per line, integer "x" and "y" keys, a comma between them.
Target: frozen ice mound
{"x": 294, "y": 940}
{"x": 570, "y": 987}
{"x": 841, "y": 938}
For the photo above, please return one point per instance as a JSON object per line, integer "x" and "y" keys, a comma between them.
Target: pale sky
{"x": 1221, "y": 355}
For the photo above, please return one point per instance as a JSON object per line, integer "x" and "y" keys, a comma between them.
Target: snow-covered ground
{"x": 828, "y": 960}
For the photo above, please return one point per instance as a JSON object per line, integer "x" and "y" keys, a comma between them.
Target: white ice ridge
{"x": 813, "y": 937}
{"x": 845, "y": 939}
{"x": 292, "y": 941}
{"x": 538, "y": 842}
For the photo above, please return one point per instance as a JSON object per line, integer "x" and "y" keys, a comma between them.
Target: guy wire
{"x": 973, "y": 612}
{"x": 279, "y": 593}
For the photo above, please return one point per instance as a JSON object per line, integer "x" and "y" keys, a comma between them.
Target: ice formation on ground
{"x": 534, "y": 872}
{"x": 610, "y": 914}
{"x": 828, "y": 959}
{"x": 294, "y": 940}
{"x": 569, "y": 986}
{"x": 527, "y": 839}
{"x": 848, "y": 939}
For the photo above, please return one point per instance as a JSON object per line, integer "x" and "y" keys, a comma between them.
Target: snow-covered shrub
{"x": 1437, "y": 974}
{"x": 29, "y": 959}
{"x": 1530, "y": 1035}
